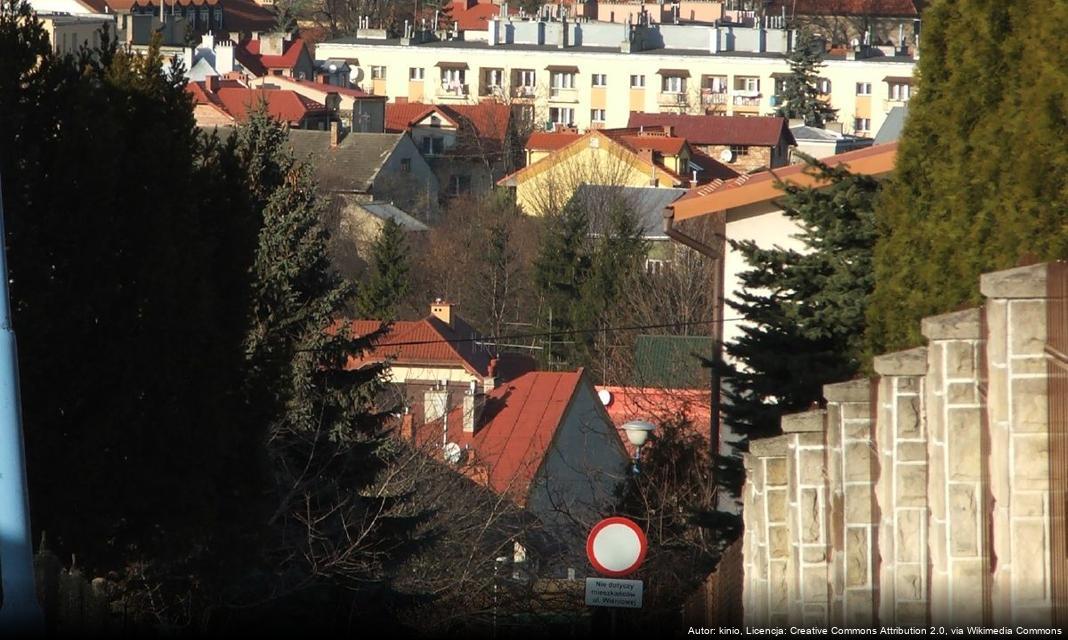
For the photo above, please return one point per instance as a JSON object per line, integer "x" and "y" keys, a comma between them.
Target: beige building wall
{"x": 941, "y": 511}
{"x": 619, "y": 98}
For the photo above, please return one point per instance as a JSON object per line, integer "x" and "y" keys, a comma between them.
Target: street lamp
{"x": 637, "y": 433}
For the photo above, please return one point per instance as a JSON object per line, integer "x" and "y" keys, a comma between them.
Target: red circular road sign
{"x": 616, "y": 547}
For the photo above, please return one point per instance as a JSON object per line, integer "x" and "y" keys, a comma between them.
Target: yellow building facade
{"x": 592, "y": 84}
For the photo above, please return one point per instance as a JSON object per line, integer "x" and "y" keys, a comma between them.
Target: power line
{"x": 546, "y": 334}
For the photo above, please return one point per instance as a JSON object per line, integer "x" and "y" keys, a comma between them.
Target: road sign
{"x": 606, "y": 592}
{"x": 616, "y": 547}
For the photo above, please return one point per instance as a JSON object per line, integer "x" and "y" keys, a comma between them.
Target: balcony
{"x": 491, "y": 91}
{"x": 559, "y": 94}
{"x": 709, "y": 98}
{"x": 668, "y": 99}
{"x": 523, "y": 92}
{"x": 890, "y": 103}
{"x": 748, "y": 101}
{"x": 453, "y": 90}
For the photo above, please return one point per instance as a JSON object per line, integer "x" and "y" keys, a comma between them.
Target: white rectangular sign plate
{"x": 606, "y": 592}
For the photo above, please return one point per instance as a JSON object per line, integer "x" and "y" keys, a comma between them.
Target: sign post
{"x": 616, "y": 548}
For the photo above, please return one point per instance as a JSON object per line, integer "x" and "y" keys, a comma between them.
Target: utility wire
{"x": 546, "y": 334}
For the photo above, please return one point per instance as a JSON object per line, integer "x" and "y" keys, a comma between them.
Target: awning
{"x": 898, "y": 79}
{"x": 452, "y": 65}
{"x": 678, "y": 73}
{"x": 562, "y": 68}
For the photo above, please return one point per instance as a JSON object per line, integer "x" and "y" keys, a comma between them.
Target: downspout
{"x": 19, "y": 609}
{"x": 717, "y": 258}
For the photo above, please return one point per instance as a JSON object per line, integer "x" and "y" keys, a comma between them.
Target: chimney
{"x": 271, "y": 44}
{"x": 474, "y": 403}
{"x": 442, "y": 311}
{"x": 211, "y": 84}
{"x": 224, "y": 57}
{"x": 489, "y": 383}
{"x": 335, "y": 134}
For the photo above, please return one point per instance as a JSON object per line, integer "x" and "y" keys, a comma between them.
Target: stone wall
{"x": 922, "y": 496}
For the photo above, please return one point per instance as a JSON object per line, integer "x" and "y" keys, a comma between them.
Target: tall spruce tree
{"x": 324, "y": 426}
{"x": 805, "y": 311}
{"x": 800, "y": 93}
{"x": 387, "y": 280}
{"x": 982, "y": 166}
{"x": 560, "y": 268}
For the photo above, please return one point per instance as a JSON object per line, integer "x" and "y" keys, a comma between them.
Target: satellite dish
{"x": 355, "y": 74}
{"x": 606, "y": 397}
{"x": 726, "y": 156}
{"x": 333, "y": 68}
{"x": 453, "y": 452}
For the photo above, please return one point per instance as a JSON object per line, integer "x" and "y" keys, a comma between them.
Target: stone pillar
{"x": 954, "y": 488}
{"x": 901, "y": 488}
{"x": 767, "y": 545}
{"x": 1018, "y": 418}
{"x": 851, "y": 462}
{"x": 808, "y": 523}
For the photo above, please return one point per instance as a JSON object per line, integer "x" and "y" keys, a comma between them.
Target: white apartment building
{"x": 593, "y": 74}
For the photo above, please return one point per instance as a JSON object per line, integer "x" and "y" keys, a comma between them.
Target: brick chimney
{"x": 335, "y": 134}
{"x": 211, "y": 84}
{"x": 442, "y": 311}
{"x": 474, "y": 403}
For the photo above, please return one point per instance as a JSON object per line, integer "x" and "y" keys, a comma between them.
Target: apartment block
{"x": 589, "y": 74}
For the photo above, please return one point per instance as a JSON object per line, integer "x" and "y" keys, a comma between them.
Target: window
{"x": 899, "y": 91}
{"x": 863, "y": 88}
{"x": 415, "y": 74}
{"x": 824, "y": 86}
{"x": 524, "y": 77}
{"x": 378, "y": 73}
{"x": 637, "y": 82}
{"x": 597, "y": 115}
{"x": 739, "y": 150}
{"x": 562, "y": 115}
{"x": 406, "y": 165}
{"x": 276, "y": 72}
{"x": 600, "y": 80}
{"x": 494, "y": 77}
{"x": 673, "y": 84}
{"x": 748, "y": 84}
{"x": 453, "y": 77}
{"x": 433, "y": 145}
{"x": 862, "y": 124}
{"x": 655, "y": 267}
{"x": 715, "y": 84}
{"x": 563, "y": 80}
{"x": 459, "y": 185}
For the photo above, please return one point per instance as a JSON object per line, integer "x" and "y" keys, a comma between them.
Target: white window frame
{"x": 673, "y": 84}
{"x": 416, "y": 74}
{"x": 562, "y": 80}
{"x": 862, "y": 124}
{"x": 495, "y": 78}
{"x": 453, "y": 75}
{"x": 597, "y": 115}
{"x": 599, "y": 80}
{"x": 378, "y": 72}
{"x": 750, "y": 84}
{"x": 556, "y": 113}
{"x": 717, "y": 84}
{"x": 526, "y": 78}
{"x": 637, "y": 81}
{"x": 863, "y": 88}
{"x": 900, "y": 91}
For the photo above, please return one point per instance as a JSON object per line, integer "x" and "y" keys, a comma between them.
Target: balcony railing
{"x": 561, "y": 94}
{"x": 453, "y": 90}
{"x": 523, "y": 92}
{"x": 666, "y": 99}
{"x": 713, "y": 98}
{"x": 494, "y": 90}
{"x": 746, "y": 101}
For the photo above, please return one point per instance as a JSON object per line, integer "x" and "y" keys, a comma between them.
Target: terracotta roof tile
{"x": 488, "y": 120}
{"x": 551, "y": 141}
{"x": 287, "y": 106}
{"x": 248, "y": 54}
{"x": 659, "y": 405}
{"x": 425, "y": 342}
{"x": 702, "y": 130}
{"x": 476, "y": 18}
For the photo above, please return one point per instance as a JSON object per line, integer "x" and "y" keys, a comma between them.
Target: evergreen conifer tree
{"x": 560, "y": 268}
{"x": 387, "y": 281}
{"x": 982, "y": 164}
{"x": 800, "y": 94}
{"x": 805, "y": 311}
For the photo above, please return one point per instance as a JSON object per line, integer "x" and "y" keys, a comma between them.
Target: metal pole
{"x": 19, "y": 609}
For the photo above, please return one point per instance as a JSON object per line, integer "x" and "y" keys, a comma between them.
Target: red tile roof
{"x": 887, "y": 8}
{"x": 236, "y": 100}
{"x": 702, "y": 130}
{"x": 476, "y": 18}
{"x": 239, "y": 16}
{"x": 551, "y": 141}
{"x": 720, "y": 195}
{"x": 248, "y": 54}
{"x": 516, "y": 431}
{"x": 331, "y": 88}
{"x": 489, "y": 121}
{"x": 659, "y": 405}
{"x": 424, "y": 342}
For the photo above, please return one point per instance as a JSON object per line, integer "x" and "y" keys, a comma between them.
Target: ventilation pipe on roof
{"x": 474, "y": 403}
